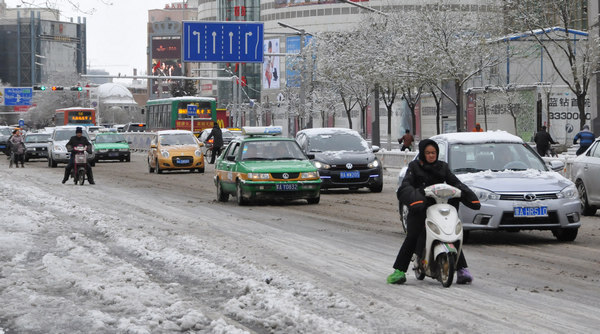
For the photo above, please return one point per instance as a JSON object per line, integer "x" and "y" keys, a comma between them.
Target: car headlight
{"x": 59, "y": 148}
{"x": 103, "y": 150}
{"x": 165, "y": 154}
{"x": 124, "y": 149}
{"x": 310, "y": 175}
{"x": 569, "y": 192}
{"x": 373, "y": 164}
{"x": 484, "y": 194}
{"x": 198, "y": 153}
{"x": 258, "y": 176}
{"x": 321, "y": 165}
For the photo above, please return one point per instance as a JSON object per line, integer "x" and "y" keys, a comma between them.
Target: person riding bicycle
{"x": 421, "y": 173}
{"x": 76, "y": 140}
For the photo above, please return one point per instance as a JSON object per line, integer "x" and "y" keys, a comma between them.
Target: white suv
{"x": 57, "y": 150}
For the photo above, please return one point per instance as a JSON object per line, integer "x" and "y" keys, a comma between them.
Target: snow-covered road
{"x": 143, "y": 253}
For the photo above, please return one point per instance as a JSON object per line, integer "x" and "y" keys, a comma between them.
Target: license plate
{"x": 113, "y": 154}
{"x": 350, "y": 175}
{"x": 541, "y": 211}
{"x": 287, "y": 186}
{"x": 183, "y": 161}
{"x": 2, "y": 146}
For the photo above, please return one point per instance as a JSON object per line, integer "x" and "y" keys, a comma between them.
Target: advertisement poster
{"x": 563, "y": 116}
{"x": 271, "y": 73}
{"x": 292, "y": 74}
{"x": 166, "y": 60}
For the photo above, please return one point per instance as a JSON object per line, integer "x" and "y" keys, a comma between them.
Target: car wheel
{"x": 150, "y": 169}
{"x": 403, "y": 216}
{"x": 376, "y": 188}
{"x": 52, "y": 163}
{"x": 239, "y": 194}
{"x": 565, "y": 234}
{"x": 26, "y": 159}
{"x": 314, "y": 200}
{"x": 221, "y": 195}
{"x": 201, "y": 170}
{"x": 128, "y": 159}
{"x": 586, "y": 208}
{"x": 157, "y": 169}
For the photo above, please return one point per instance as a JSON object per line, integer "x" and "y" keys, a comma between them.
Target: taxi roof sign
{"x": 262, "y": 130}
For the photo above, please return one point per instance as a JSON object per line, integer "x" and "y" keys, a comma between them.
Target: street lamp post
{"x": 302, "y": 96}
{"x": 375, "y": 140}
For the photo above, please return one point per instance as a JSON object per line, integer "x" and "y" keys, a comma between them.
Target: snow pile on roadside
{"x": 76, "y": 268}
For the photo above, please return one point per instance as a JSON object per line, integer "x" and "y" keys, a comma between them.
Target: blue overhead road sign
{"x": 229, "y": 42}
{"x": 17, "y": 96}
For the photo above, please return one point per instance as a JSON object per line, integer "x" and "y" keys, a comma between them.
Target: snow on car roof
{"x": 318, "y": 131}
{"x": 172, "y": 132}
{"x": 497, "y": 136}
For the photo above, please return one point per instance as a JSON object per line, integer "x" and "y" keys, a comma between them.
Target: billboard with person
{"x": 270, "y": 73}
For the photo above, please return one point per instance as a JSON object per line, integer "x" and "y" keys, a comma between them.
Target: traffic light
{"x": 76, "y": 88}
{"x": 57, "y": 87}
{"x": 39, "y": 87}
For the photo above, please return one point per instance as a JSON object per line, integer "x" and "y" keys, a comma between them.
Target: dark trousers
{"x": 542, "y": 150}
{"x": 70, "y": 166}
{"x": 581, "y": 149}
{"x": 415, "y": 240}
{"x": 215, "y": 153}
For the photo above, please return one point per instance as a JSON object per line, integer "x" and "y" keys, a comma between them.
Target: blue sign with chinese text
{"x": 192, "y": 110}
{"x": 229, "y": 42}
{"x": 18, "y": 96}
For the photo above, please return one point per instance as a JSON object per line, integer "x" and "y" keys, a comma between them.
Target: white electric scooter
{"x": 444, "y": 236}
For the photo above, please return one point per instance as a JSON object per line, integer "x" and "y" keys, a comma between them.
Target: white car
{"x": 586, "y": 174}
{"x": 57, "y": 147}
{"x": 517, "y": 190}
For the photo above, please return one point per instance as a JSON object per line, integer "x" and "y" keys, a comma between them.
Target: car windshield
{"x": 337, "y": 142}
{"x": 110, "y": 138}
{"x": 66, "y": 134}
{"x": 37, "y": 138}
{"x": 469, "y": 158}
{"x": 177, "y": 139}
{"x": 5, "y": 131}
{"x": 272, "y": 150}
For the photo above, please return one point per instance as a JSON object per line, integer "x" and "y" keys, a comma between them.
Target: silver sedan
{"x": 517, "y": 190}
{"x": 586, "y": 173}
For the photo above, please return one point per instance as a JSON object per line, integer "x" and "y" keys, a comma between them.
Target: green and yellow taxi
{"x": 111, "y": 146}
{"x": 261, "y": 164}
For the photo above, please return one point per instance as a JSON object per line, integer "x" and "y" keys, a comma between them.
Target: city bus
{"x": 172, "y": 113}
{"x": 75, "y": 116}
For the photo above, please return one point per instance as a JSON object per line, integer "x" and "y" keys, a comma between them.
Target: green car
{"x": 111, "y": 146}
{"x": 263, "y": 165}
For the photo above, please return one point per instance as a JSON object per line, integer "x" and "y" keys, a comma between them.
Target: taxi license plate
{"x": 113, "y": 154}
{"x": 2, "y": 146}
{"x": 286, "y": 187}
{"x": 541, "y": 211}
{"x": 350, "y": 175}
{"x": 183, "y": 161}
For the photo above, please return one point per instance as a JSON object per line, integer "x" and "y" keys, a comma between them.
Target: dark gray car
{"x": 36, "y": 145}
{"x": 343, "y": 157}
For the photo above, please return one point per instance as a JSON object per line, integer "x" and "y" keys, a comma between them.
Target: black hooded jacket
{"x": 421, "y": 174}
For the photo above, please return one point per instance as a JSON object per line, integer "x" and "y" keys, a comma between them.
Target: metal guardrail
{"x": 395, "y": 159}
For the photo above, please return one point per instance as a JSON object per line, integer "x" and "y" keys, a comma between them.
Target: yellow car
{"x": 175, "y": 150}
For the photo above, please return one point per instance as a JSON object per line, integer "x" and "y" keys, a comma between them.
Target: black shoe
{"x": 64, "y": 180}
{"x": 91, "y": 182}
